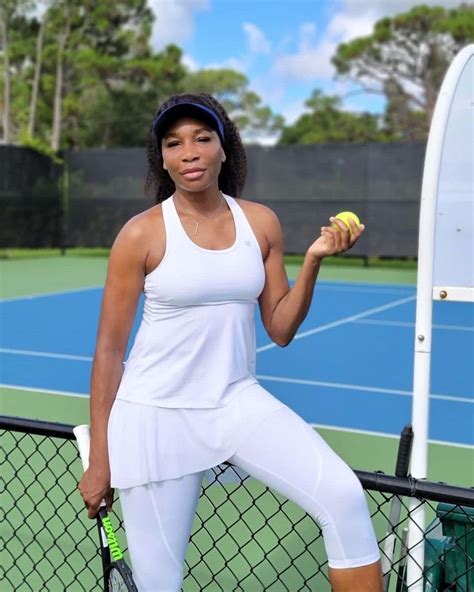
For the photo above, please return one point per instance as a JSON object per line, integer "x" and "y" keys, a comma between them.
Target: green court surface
{"x": 364, "y": 451}
{"x": 23, "y": 274}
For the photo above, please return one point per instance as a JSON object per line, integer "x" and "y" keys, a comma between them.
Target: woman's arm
{"x": 124, "y": 283}
{"x": 284, "y": 309}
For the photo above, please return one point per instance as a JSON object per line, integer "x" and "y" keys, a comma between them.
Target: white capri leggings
{"x": 284, "y": 453}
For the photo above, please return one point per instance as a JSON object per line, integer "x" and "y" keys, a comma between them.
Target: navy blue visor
{"x": 167, "y": 117}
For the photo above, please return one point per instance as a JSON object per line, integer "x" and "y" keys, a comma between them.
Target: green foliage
{"x": 113, "y": 80}
{"x": 326, "y": 122}
{"x": 406, "y": 58}
{"x": 39, "y": 146}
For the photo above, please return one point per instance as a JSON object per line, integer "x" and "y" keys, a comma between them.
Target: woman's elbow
{"x": 282, "y": 340}
{"x": 281, "y": 336}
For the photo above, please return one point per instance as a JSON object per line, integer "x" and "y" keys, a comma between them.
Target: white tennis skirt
{"x": 149, "y": 443}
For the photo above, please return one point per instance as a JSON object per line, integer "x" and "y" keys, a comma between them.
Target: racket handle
{"x": 404, "y": 451}
{"x": 82, "y": 434}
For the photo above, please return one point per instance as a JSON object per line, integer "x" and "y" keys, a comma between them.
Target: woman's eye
{"x": 171, "y": 144}
{"x": 203, "y": 139}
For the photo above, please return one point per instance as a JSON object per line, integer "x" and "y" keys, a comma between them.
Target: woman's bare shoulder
{"x": 264, "y": 223}
{"x": 144, "y": 234}
{"x": 259, "y": 213}
{"x": 140, "y": 225}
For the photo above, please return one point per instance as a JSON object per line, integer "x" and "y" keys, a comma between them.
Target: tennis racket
{"x": 401, "y": 470}
{"x": 117, "y": 574}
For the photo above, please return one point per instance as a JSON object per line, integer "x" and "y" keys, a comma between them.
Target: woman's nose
{"x": 189, "y": 152}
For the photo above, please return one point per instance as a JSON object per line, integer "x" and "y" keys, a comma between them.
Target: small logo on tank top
{"x": 248, "y": 243}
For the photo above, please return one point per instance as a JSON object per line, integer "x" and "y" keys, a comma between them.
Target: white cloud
{"x": 307, "y": 33}
{"x": 307, "y": 64}
{"x": 351, "y": 19}
{"x": 174, "y": 20}
{"x": 292, "y": 111}
{"x": 391, "y": 7}
{"x": 241, "y": 65}
{"x": 344, "y": 26}
{"x": 310, "y": 61}
{"x": 190, "y": 62}
{"x": 257, "y": 44}
{"x": 256, "y": 39}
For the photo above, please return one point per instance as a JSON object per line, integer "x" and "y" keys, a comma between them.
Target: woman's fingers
{"x": 93, "y": 490}
{"x": 344, "y": 233}
{"x": 349, "y": 234}
{"x": 357, "y": 230}
{"x": 92, "y": 509}
{"x": 109, "y": 499}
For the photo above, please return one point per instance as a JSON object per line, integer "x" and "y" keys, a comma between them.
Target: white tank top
{"x": 197, "y": 334}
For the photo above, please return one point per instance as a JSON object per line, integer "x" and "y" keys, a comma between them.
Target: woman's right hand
{"x": 94, "y": 487}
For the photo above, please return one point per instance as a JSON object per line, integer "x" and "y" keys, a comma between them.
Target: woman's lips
{"x": 193, "y": 173}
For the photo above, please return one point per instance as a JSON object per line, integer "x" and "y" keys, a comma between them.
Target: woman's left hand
{"x": 335, "y": 240}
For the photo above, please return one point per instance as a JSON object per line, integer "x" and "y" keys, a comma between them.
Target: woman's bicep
{"x": 123, "y": 286}
{"x": 276, "y": 280}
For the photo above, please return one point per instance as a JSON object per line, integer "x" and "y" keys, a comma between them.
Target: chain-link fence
{"x": 245, "y": 536}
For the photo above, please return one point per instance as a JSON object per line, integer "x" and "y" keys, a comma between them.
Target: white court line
{"x": 47, "y": 294}
{"x": 344, "y": 321}
{"x": 408, "y": 324}
{"x": 366, "y": 289}
{"x": 39, "y": 354}
{"x": 32, "y": 389}
{"x": 315, "y": 425}
{"x": 302, "y": 381}
{"x": 354, "y": 387}
{"x": 324, "y": 285}
{"x": 385, "y": 435}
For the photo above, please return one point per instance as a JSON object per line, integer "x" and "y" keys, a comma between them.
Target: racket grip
{"x": 82, "y": 434}
{"x": 404, "y": 451}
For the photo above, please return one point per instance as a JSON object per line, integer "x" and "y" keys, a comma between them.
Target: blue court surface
{"x": 350, "y": 365}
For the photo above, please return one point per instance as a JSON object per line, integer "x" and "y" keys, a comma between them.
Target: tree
{"x": 400, "y": 120}
{"x": 37, "y": 75}
{"x": 407, "y": 56}
{"x": 243, "y": 105}
{"x": 84, "y": 75}
{"x": 18, "y": 33}
{"x": 326, "y": 122}
{"x": 62, "y": 40}
{"x": 4, "y": 14}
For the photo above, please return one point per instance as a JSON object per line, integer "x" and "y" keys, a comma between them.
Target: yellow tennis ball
{"x": 344, "y": 216}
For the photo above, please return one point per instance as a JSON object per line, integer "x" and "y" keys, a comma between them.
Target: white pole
{"x": 424, "y": 305}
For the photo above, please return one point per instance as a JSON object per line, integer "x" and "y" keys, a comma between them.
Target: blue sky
{"x": 284, "y": 47}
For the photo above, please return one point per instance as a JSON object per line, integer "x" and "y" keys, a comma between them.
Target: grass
{"x": 290, "y": 258}
{"x": 46, "y": 253}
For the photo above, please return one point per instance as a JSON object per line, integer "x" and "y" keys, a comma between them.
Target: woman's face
{"x": 192, "y": 155}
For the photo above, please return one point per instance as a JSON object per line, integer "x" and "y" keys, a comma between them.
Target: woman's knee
{"x": 345, "y": 520}
{"x": 347, "y": 491}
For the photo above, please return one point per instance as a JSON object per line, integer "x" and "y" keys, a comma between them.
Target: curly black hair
{"x": 234, "y": 169}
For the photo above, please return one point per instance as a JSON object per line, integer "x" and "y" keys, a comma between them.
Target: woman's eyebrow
{"x": 169, "y": 134}
{"x": 196, "y": 131}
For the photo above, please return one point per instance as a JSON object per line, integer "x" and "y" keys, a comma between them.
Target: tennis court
{"x": 348, "y": 372}
{"x": 349, "y": 369}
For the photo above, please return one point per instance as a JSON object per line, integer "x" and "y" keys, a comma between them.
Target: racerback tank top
{"x": 197, "y": 334}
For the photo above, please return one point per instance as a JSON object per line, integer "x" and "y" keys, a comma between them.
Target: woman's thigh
{"x": 288, "y": 455}
{"x": 158, "y": 520}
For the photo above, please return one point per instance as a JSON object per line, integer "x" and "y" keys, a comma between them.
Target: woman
{"x": 188, "y": 398}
